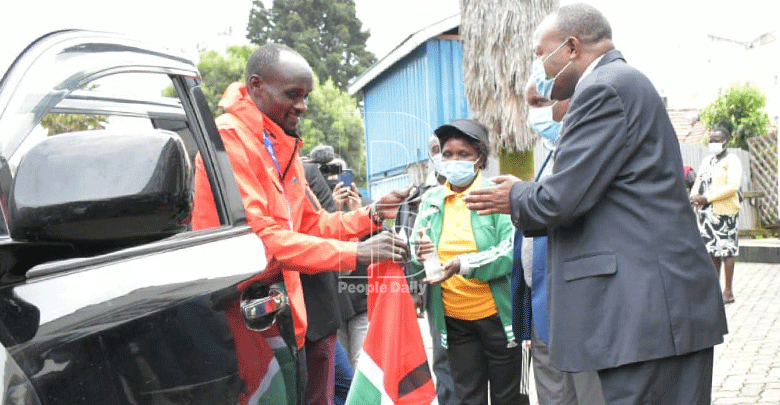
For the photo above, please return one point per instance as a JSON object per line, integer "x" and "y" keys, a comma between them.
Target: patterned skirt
{"x": 719, "y": 233}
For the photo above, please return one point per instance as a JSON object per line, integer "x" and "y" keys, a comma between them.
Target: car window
{"x": 120, "y": 103}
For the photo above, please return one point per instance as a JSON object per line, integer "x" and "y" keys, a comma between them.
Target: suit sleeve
{"x": 589, "y": 156}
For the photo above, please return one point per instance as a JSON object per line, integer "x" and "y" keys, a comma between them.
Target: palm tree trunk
{"x": 497, "y": 56}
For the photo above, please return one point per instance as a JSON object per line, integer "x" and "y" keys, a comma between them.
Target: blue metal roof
{"x": 407, "y": 101}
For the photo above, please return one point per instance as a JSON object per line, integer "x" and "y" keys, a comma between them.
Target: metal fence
{"x": 763, "y": 164}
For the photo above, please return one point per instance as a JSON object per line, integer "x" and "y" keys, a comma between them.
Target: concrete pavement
{"x": 747, "y": 364}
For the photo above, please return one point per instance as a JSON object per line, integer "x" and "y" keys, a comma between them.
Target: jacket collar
{"x": 610, "y": 56}
{"x": 606, "y": 57}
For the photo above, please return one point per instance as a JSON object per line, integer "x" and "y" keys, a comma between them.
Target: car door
{"x": 147, "y": 322}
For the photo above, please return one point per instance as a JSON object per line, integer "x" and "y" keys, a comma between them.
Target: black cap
{"x": 469, "y": 128}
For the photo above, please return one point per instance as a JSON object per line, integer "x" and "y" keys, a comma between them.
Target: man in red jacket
{"x": 259, "y": 131}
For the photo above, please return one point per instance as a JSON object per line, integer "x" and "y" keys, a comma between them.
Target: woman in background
{"x": 715, "y": 195}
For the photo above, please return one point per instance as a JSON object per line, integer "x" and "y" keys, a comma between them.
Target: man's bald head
{"x": 434, "y": 148}
{"x": 279, "y": 80}
{"x": 263, "y": 60}
{"x": 567, "y": 41}
{"x": 581, "y": 21}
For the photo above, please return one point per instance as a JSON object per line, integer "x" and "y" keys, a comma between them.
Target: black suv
{"x": 107, "y": 296}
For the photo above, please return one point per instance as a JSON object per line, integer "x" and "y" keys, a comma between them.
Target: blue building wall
{"x": 404, "y": 104}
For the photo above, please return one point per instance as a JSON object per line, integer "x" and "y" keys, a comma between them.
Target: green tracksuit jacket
{"x": 494, "y": 236}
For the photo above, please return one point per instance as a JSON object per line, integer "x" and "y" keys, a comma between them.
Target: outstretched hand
{"x": 492, "y": 200}
{"x": 387, "y": 206}
{"x": 382, "y": 247}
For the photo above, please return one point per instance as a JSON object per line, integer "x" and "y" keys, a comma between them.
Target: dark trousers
{"x": 677, "y": 380}
{"x": 320, "y": 366}
{"x": 478, "y": 353}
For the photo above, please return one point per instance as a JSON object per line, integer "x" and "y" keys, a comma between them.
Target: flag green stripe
{"x": 363, "y": 392}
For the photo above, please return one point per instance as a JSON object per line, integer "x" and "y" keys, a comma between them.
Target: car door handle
{"x": 261, "y": 308}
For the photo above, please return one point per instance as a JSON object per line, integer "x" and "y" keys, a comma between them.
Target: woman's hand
{"x": 450, "y": 269}
{"x": 698, "y": 200}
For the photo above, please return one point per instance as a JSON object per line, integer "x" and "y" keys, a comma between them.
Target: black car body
{"x": 107, "y": 296}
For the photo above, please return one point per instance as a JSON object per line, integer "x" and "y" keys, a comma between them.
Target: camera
{"x": 329, "y": 169}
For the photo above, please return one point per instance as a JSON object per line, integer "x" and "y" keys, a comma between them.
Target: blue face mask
{"x": 541, "y": 119}
{"x": 459, "y": 173}
{"x": 544, "y": 85}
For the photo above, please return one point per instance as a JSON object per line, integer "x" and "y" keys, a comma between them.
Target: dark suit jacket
{"x": 629, "y": 278}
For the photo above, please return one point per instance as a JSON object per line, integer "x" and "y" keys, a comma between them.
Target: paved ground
{"x": 747, "y": 364}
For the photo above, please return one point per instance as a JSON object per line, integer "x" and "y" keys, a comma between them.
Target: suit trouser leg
{"x": 553, "y": 387}
{"x": 587, "y": 386}
{"x": 676, "y": 380}
{"x": 477, "y": 352}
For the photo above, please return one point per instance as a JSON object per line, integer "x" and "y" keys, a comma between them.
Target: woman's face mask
{"x": 541, "y": 120}
{"x": 716, "y": 147}
{"x": 459, "y": 173}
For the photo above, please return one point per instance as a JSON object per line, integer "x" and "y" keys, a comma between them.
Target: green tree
{"x": 325, "y": 32}
{"x": 61, "y": 123}
{"x": 333, "y": 119}
{"x": 58, "y": 123}
{"x": 218, "y": 71}
{"x": 740, "y": 109}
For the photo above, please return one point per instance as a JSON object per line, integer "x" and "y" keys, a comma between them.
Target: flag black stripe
{"x": 414, "y": 380}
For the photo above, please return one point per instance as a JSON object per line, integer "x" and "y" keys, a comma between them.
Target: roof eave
{"x": 404, "y": 48}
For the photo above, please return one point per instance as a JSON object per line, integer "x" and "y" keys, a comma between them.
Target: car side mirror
{"x": 98, "y": 190}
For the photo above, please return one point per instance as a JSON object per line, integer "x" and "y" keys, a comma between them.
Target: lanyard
{"x": 269, "y": 146}
{"x": 544, "y": 164}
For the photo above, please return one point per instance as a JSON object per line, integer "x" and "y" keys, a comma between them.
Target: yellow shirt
{"x": 464, "y": 298}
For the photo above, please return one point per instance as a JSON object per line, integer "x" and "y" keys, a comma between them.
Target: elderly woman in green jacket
{"x": 470, "y": 298}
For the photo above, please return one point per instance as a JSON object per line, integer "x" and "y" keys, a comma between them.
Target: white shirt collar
{"x": 589, "y": 69}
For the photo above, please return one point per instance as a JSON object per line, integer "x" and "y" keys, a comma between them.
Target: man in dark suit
{"x": 631, "y": 290}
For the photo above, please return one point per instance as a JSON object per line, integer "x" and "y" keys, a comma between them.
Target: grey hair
{"x": 583, "y": 22}
{"x": 264, "y": 58}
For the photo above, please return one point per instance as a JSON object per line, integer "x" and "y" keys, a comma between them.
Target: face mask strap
{"x": 555, "y": 51}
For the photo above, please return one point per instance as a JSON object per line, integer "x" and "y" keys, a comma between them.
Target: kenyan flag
{"x": 393, "y": 367}
{"x": 266, "y": 365}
